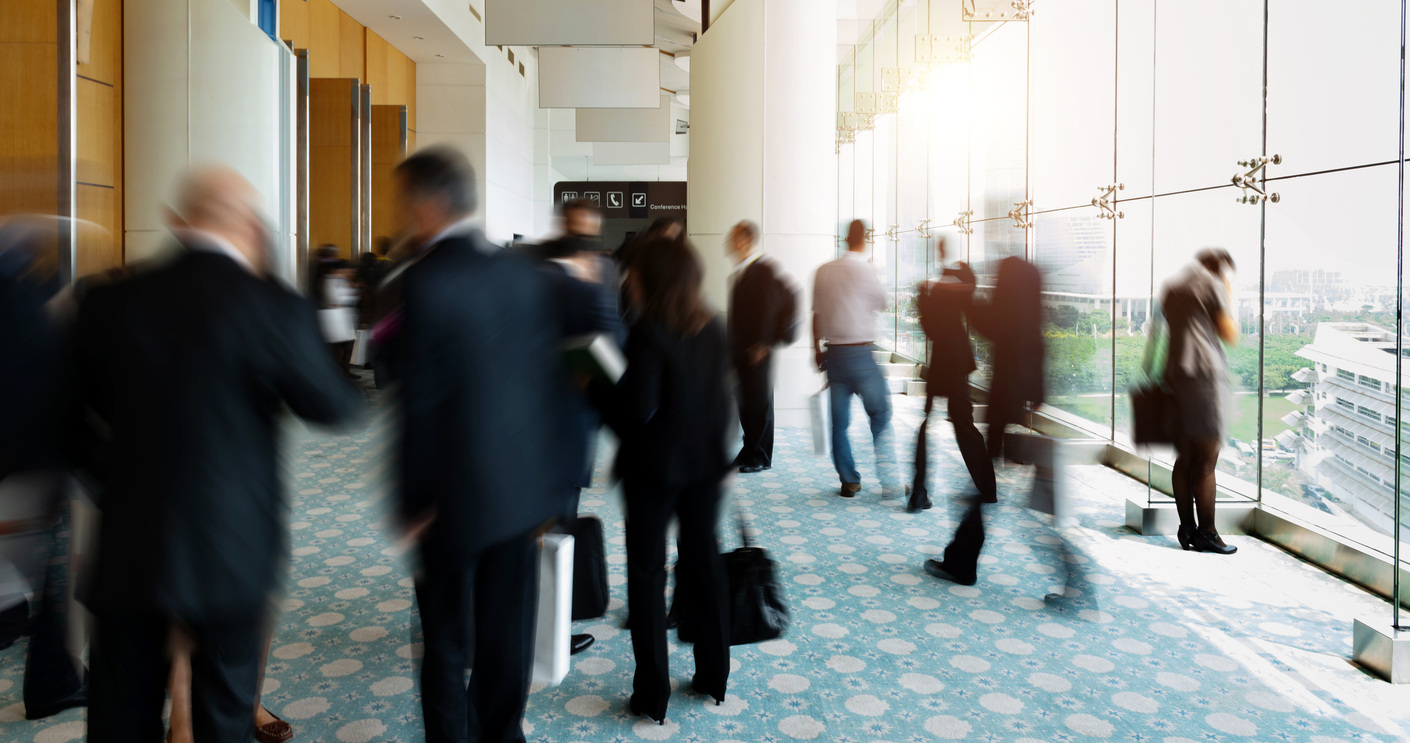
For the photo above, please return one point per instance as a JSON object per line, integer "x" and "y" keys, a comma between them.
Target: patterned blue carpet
{"x": 1161, "y": 646}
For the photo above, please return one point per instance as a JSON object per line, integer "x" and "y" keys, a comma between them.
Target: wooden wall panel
{"x": 99, "y": 246}
{"x": 350, "y": 47}
{"x": 329, "y": 112}
{"x": 386, "y": 153}
{"x": 330, "y": 178}
{"x": 325, "y": 37}
{"x": 105, "y": 43}
{"x": 29, "y": 145}
{"x": 98, "y": 148}
{"x": 293, "y": 22}
{"x": 375, "y": 64}
{"x": 29, "y": 22}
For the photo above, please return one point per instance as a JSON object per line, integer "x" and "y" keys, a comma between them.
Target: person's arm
{"x": 817, "y": 346}
{"x": 1227, "y": 327}
{"x": 307, "y": 380}
{"x": 766, "y": 284}
{"x": 1224, "y": 323}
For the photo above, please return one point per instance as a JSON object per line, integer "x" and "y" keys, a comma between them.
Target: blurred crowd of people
{"x": 163, "y": 391}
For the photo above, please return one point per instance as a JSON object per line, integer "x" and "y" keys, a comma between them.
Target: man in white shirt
{"x": 847, "y": 295}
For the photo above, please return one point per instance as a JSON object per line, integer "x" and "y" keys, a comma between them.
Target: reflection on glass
{"x": 1073, "y": 251}
{"x": 1330, "y": 353}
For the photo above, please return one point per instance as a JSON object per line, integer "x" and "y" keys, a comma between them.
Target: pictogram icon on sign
{"x": 569, "y": 196}
{"x": 614, "y": 199}
{"x": 638, "y": 199}
{"x": 593, "y": 196}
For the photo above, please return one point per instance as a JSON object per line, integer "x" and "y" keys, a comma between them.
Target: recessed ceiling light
{"x": 394, "y": 17}
{"x": 419, "y": 38}
{"x": 440, "y": 55}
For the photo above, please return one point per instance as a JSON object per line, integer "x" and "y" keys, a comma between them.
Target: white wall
{"x": 763, "y": 96}
{"x": 511, "y": 103}
{"x": 202, "y": 85}
{"x": 450, "y": 111}
{"x": 572, "y": 160}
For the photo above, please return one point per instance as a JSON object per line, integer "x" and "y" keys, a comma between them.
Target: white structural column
{"x": 450, "y": 111}
{"x": 763, "y": 86}
{"x": 203, "y": 85}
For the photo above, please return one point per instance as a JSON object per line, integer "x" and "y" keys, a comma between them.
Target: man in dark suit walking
{"x": 762, "y": 315}
{"x": 483, "y": 398}
{"x": 943, "y": 305}
{"x": 187, "y": 365}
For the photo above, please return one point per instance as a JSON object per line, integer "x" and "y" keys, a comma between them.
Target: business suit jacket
{"x": 942, "y": 311}
{"x": 188, "y": 366}
{"x": 482, "y": 394}
{"x": 754, "y": 308}
{"x": 1013, "y": 321}
{"x": 673, "y": 409}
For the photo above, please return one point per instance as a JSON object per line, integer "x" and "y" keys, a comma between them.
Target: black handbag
{"x": 590, "y": 593}
{"x": 1153, "y": 414}
{"x": 756, "y": 607}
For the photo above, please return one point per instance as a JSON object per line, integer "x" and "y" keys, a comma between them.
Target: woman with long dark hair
{"x": 672, "y": 414}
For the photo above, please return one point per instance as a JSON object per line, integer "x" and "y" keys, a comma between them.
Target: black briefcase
{"x": 589, "y": 567}
{"x": 756, "y": 607}
{"x": 1153, "y": 414}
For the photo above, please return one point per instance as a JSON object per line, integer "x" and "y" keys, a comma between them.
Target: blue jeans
{"x": 852, "y": 370}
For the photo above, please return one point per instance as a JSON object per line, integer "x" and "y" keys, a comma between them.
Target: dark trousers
{"x": 961, "y": 557}
{"x": 700, "y": 569}
{"x": 128, "y": 673}
{"x": 498, "y": 589}
{"x": 971, "y": 443}
{"x": 50, "y": 673}
{"x": 756, "y": 412}
{"x": 1003, "y": 410}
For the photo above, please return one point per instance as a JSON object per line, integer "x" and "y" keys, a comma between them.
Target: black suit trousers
{"x": 961, "y": 557}
{"x": 971, "y": 444}
{"x": 700, "y": 571}
{"x": 128, "y": 677}
{"x": 756, "y": 411}
{"x": 498, "y": 589}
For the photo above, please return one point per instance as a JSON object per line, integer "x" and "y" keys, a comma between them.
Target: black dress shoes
{"x": 579, "y": 643}
{"x": 40, "y": 711}
{"x": 919, "y": 502}
{"x": 1205, "y": 540}
{"x": 750, "y": 469}
{"x": 638, "y": 708}
{"x": 939, "y": 570}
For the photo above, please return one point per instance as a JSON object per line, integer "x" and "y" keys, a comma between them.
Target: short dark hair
{"x": 1215, "y": 259}
{"x": 440, "y": 172}
{"x": 576, "y": 205}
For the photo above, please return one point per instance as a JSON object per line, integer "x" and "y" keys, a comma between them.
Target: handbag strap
{"x": 1158, "y": 330}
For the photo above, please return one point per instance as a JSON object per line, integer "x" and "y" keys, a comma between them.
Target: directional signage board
{"x": 628, "y": 200}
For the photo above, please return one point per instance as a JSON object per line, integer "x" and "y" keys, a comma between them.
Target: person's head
{"x": 1217, "y": 261}
{"x": 328, "y": 252}
{"x": 667, "y": 278}
{"x": 857, "y": 236}
{"x": 741, "y": 240}
{"x": 581, "y": 218}
{"x": 218, "y": 200}
{"x": 667, "y": 228}
{"x": 435, "y": 189}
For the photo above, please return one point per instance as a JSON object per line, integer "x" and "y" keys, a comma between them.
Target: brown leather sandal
{"x": 274, "y": 732}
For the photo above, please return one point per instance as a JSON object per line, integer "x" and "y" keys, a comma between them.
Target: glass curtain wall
{"x": 1099, "y": 139}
